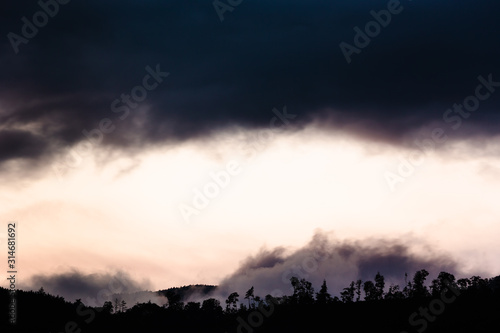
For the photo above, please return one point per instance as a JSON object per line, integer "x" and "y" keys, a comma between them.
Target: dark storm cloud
{"x": 265, "y": 259}
{"x": 338, "y": 262}
{"x": 15, "y": 143}
{"x": 264, "y": 54}
{"x": 93, "y": 289}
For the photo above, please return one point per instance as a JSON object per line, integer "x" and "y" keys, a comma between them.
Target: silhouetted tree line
{"x": 362, "y": 306}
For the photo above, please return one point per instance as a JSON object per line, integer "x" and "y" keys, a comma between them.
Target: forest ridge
{"x": 446, "y": 304}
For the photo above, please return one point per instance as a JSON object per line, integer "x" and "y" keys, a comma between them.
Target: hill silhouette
{"x": 181, "y": 294}
{"x": 443, "y": 304}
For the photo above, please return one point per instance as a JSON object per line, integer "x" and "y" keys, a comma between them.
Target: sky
{"x": 167, "y": 143}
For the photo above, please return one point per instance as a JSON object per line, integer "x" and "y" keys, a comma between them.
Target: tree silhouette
{"x": 232, "y": 302}
{"x": 249, "y": 295}
{"x": 442, "y": 282}
{"x": 379, "y": 286}
{"x": 258, "y": 301}
{"x": 394, "y": 293}
{"x": 418, "y": 289}
{"x": 464, "y": 283}
{"x": 323, "y": 297}
{"x": 370, "y": 291}
{"x": 407, "y": 287}
{"x": 192, "y": 306}
{"x": 271, "y": 299}
{"x": 174, "y": 300}
{"x": 107, "y": 307}
{"x": 474, "y": 309}
{"x": 117, "y": 305}
{"x": 347, "y": 294}
{"x": 303, "y": 292}
{"x": 478, "y": 283}
{"x": 123, "y": 306}
{"x": 212, "y": 306}
{"x": 359, "y": 283}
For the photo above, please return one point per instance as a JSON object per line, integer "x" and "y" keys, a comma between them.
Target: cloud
{"x": 94, "y": 289}
{"x": 16, "y": 144}
{"x": 263, "y": 55}
{"x": 338, "y": 262}
{"x": 269, "y": 271}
